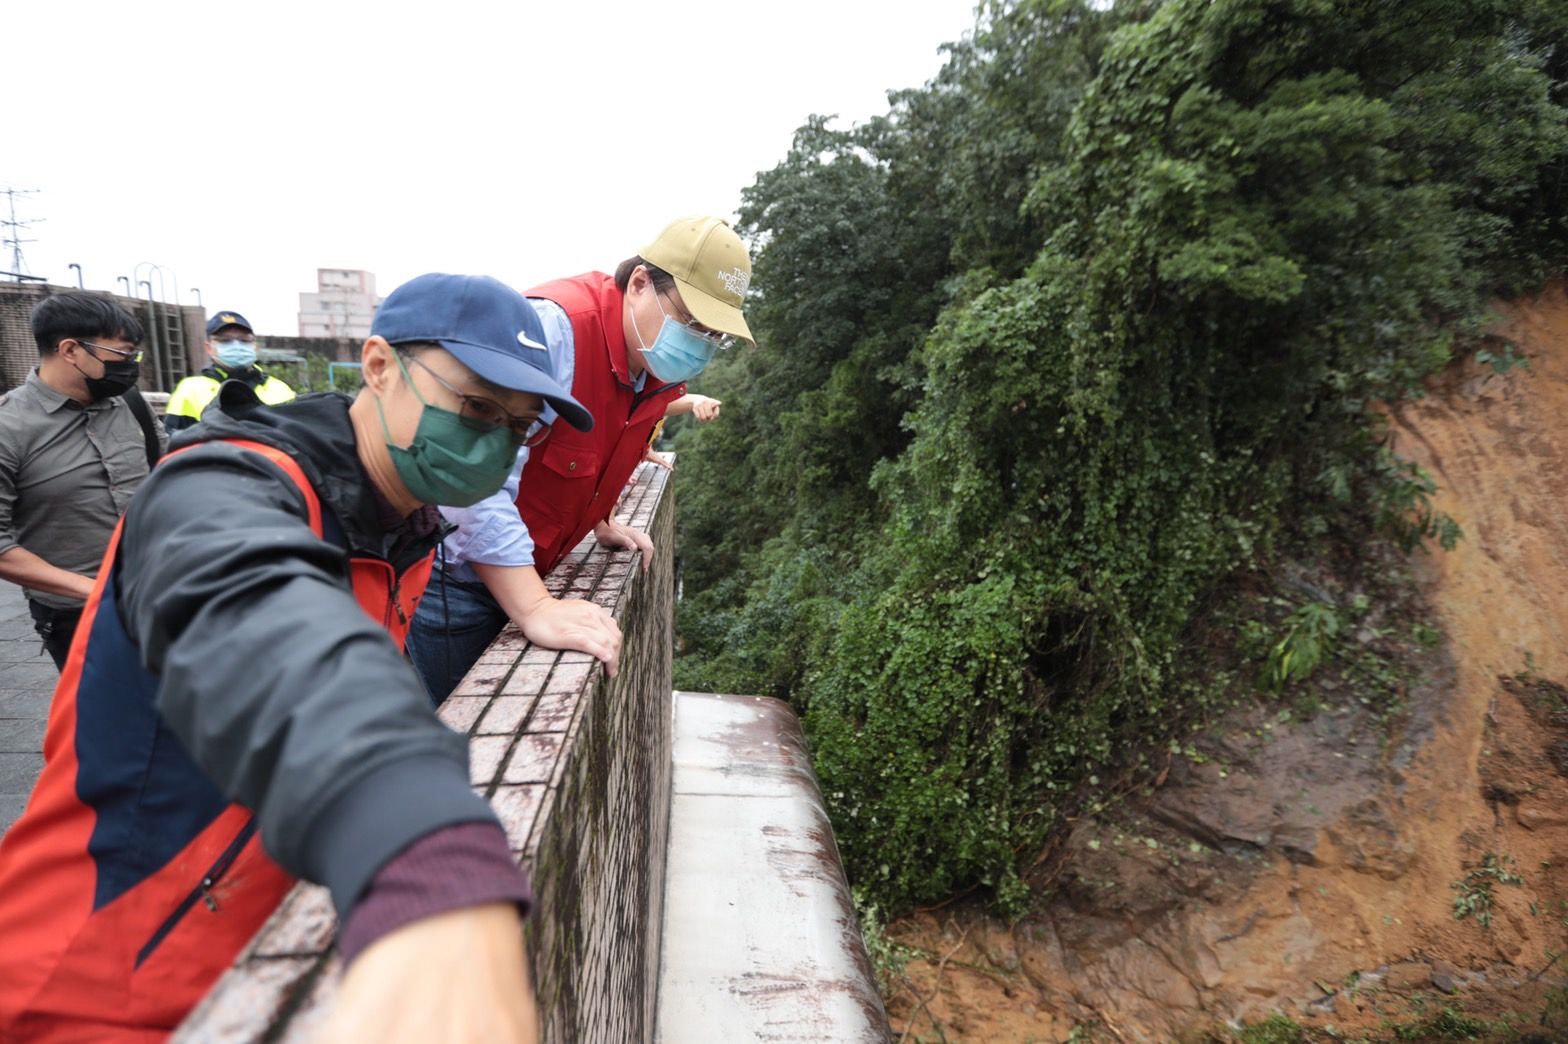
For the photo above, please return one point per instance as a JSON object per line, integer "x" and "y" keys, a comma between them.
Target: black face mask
{"x": 118, "y": 378}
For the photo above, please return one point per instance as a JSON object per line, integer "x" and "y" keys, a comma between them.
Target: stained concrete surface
{"x": 27, "y": 678}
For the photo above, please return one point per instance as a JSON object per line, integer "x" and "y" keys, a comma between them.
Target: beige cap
{"x": 711, "y": 268}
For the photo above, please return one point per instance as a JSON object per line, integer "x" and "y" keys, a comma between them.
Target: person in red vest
{"x": 235, "y": 711}
{"x": 626, "y": 345}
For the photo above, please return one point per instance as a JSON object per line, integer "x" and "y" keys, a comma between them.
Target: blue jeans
{"x": 451, "y": 629}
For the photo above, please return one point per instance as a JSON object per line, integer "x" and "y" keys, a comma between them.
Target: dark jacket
{"x": 290, "y": 697}
{"x": 226, "y": 678}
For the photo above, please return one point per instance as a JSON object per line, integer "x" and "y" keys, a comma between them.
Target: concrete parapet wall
{"x": 761, "y": 940}
{"x": 577, "y": 766}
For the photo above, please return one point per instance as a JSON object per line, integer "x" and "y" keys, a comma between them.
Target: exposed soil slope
{"x": 1312, "y": 867}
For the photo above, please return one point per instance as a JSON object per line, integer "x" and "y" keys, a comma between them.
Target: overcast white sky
{"x": 242, "y": 146}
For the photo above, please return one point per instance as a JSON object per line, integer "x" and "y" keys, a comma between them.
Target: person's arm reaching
{"x": 403, "y": 987}
{"x": 493, "y": 540}
{"x": 702, "y": 407}
{"x": 406, "y": 922}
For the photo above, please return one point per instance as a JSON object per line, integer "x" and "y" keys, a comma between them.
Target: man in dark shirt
{"x": 72, "y": 451}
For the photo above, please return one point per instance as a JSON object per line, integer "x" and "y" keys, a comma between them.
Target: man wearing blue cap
{"x": 231, "y": 345}
{"x": 188, "y": 781}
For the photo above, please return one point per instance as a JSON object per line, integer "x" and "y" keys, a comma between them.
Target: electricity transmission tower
{"x": 13, "y": 234}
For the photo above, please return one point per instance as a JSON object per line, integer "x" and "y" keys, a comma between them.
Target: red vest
{"x": 74, "y": 967}
{"x": 573, "y": 482}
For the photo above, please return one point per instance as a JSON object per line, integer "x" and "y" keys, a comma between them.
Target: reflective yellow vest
{"x": 192, "y": 395}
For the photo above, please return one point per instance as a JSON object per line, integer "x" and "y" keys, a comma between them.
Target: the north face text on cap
{"x": 736, "y": 280}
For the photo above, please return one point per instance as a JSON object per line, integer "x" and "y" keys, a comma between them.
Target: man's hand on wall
{"x": 550, "y": 622}
{"x": 656, "y": 460}
{"x": 614, "y": 534}
{"x": 456, "y": 977}
{"x": 572, "y": 623}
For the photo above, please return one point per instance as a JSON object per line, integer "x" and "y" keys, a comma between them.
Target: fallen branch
{"x": 1548, "y": 967}
{"x": 935, "y": 989}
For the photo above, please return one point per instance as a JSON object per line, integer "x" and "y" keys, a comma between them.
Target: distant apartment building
{"x": 342, "y": 306}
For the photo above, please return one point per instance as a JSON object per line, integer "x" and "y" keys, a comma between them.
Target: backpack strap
{"x": 143, "y": 414}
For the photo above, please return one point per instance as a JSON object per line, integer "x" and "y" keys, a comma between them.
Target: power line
{"x": 13, "y": 232}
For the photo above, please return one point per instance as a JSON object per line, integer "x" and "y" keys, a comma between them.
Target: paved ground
{"x": 27, "y": 678}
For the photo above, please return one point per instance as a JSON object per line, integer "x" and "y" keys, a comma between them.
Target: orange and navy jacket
{"x": 226, "y": 721}
{"x": 573, "y": 482}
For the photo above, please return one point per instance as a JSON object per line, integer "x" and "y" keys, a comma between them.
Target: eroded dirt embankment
{"x": 1312, "y": 867}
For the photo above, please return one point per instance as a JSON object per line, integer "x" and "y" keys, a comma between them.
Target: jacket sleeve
{"x": 284, "y": 691}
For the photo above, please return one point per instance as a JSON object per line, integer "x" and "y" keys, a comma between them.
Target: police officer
{"x": 231, "y": 345}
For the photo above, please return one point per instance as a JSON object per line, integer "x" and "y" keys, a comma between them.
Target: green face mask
{"x": 449, "y": 462}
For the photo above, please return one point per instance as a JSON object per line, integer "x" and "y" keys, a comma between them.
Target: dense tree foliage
{"x": 1053, "y": 347}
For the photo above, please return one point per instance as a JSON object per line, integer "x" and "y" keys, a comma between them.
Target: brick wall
{"x": 578, "y": 768}
{"x": 18, "y": 351}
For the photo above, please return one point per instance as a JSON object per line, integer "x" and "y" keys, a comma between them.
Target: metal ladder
{"x": 167, "y": 352}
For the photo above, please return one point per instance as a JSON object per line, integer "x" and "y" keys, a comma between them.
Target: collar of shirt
{"x": 51, "y": 398}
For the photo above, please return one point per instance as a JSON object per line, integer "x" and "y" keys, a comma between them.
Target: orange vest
{"x": 130, "y": 883}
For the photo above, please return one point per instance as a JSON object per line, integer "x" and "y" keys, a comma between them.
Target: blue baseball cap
{"x": 223, "y": 319}
{"x": 487, "y": 326}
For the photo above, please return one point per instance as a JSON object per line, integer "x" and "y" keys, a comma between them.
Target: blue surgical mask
{"x": 678, "y": 353}
{"x": 235, "y": 355}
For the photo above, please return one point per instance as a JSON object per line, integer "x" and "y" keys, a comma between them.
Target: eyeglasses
{"x": 721, "y": 341}
{"x": 134, "y": 355}
{"x": 484, "y": 414}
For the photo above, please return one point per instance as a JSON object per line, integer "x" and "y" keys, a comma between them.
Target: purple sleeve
{"x": 464, "y": 865}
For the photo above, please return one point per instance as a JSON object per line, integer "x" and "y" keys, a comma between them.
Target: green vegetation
{"x": 1276, "y": 1029}
{"x": 312, "y": 375}
{"x": 1447, "y": 1023}
{"x": 1475, "y": 889}
{"x": 1069, "y": 336}
{"x": 1554, "y": 1011}
{"x": 888, "y": 958}
{"x": 1311, "y": 634}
